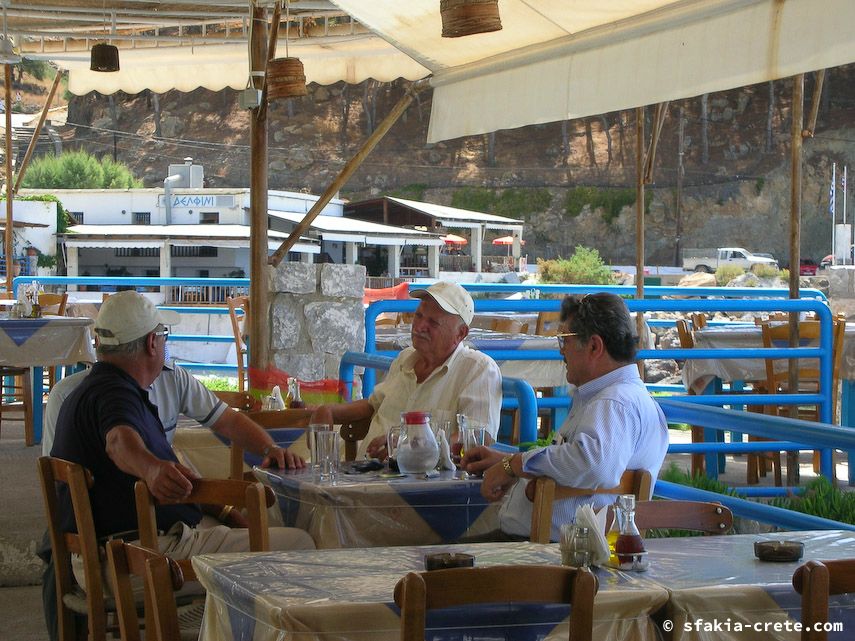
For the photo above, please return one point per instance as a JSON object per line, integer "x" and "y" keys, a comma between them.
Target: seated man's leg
{"x": 183, "y": 542}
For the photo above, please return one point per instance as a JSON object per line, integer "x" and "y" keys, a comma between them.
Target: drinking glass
{"x": 311, "y": 437}
{"x": 327, "y": 448}
{"x": 471, "y": 436}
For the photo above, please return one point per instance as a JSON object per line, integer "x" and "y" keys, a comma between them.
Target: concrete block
{"x": 287, "y": 322}
{"x": 336, "y": 327}
{"x": 296, "y": 278}
{"x": 342, "y": 280}
{"x": 841, "y": 281}
{"x": 307, "y": 367}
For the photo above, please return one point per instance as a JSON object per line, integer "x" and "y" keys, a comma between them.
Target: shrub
{"x": 522, "y": 203}
{"x": 415, "y": 191}
{"x": 726, "y": 273}
{"x": 611, "y": 201}
{"x": 821, "y": 498}
{"x": 766, "y": 271}
{"x": 219, "y": 383}
{"x": 78, "y": 170}
{"x": 584, "y": 267}
{"x": 474, "y": 199}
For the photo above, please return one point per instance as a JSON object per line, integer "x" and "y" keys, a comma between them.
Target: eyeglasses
{"x": 561, "y": 337}
{"x": 163, "y": 332}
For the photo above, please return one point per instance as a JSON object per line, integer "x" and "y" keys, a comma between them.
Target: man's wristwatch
{"x": 506, "y": 465}
{"x": 267, "y": 450}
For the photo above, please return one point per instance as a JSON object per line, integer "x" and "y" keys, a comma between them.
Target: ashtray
{"x": 778, "y": 550}
{"x": 445, "y": 560}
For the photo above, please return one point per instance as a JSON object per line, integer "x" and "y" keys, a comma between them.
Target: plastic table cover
{"x": 367, "y": 510}
{"x": 45, "y": 342}
{"x": 346, "y": 595}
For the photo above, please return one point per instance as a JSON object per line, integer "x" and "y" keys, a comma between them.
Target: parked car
{"x": 808, "y": 267}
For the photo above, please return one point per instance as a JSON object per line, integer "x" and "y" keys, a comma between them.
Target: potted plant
{"x": 46, "y": 262}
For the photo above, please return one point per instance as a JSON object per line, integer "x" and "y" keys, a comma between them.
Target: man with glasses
{"x": 614, "y": 425}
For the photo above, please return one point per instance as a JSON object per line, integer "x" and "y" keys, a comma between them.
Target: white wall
{"x": 42, "y": 238}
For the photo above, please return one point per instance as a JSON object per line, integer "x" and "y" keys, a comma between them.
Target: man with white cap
{"x": 109, "y": 425}
{"x": 437, "y": 374}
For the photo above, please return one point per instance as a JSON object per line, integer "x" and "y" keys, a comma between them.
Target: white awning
{"x": 556, "y": 60}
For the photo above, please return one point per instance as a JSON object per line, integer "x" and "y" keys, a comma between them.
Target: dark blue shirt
{"x": 109, "y": 397}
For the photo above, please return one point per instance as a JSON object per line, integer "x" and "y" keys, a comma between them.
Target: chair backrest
{"x": 509, "y": 326}
{"x": 543, "y": 491}
{"x": 547, "y": 323}
{"x": 78, "y": 480}
{"x": 352, "y": 433}
{"x": 269, "y": 420}
{"x": 698, "y": 320}
{"x": 243, "y": 401}
{"x": 240, "y": 330}
{"x": 418, "y": 592}
{"x": 684, "y": 333}
{"x": 694, "y": 516}
{"x": 48, "y": 301}
{"x": 816, "y": 581}
{"x": 161, "y": 577}
{"x": 254, "y": 497}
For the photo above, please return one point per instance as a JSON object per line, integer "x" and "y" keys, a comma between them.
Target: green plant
{"x": 78, "y": 170}
{"x": 584, "y": 267}
{"x": 522, "y": 203}
{"x": 726, "y": 273}
{"x": 611, "y": 201}
{"x": 758, "y": 185}
{"x": 766, "y": 271}
{"x": 219, "y": 383}
{"x": 415, "y": 191}
{"x": 675, "y": 474}
{"x": 821, "y": 498}
{"x": 46, "y": 260}
{"x": 541, "y": 442}
{"x": 474, "y": 199}
{"x": 63, "y": 220}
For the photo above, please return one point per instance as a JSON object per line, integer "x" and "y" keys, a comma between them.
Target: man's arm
{"x": 166, "y": 480}
{"x": 338, "y": 413}
{"x": 240, "y": 429}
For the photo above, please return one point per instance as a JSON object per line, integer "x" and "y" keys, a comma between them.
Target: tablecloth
{"x": 367, "y": 510}
{"x": 346, "y": 595}
{"x": 45, "y": 342}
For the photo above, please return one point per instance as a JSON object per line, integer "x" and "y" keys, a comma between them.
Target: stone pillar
{"x": 477, "y": 239}
{"x": 433, "y": 261}
{"x": 351, "y": 253}
{"x": 165, "y": 266}
{"x": 394, "y": 261}
{"x": 306, "y": 257}
{"x": 317, "y": 315}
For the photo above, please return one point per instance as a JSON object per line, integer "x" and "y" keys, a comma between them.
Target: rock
{"x": 697, "y": 279}
{"x": 321, "y": 94}
{"x": 171, "y": 127}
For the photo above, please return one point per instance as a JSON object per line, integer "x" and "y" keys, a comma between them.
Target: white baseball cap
{"x": 451, "y": 297}
{"x": 127, "y": 316}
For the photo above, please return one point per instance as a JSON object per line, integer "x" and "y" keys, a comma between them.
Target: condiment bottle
{"x": 294, "y": 393}
{"x": 614, "y": 530}
{"x": 581, "y": 548}
{"x": 629, "y": 540}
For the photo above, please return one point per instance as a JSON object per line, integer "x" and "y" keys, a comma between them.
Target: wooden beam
{"x": 808, "y": 131}
{"x": 259, "y": 294}
{"x": 639, "y": 221}
{"x": 347, "y": 171}
{"x": 10, "y": 231}
{"x": 650, "y": 157}
{"x": 32, "y": 146}
{"x": 271, "y": 53}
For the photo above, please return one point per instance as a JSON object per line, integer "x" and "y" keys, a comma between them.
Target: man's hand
{"x": 496, "y": 482}
{"x": 283, "y": 459}
{"x": 322, "y": 414}
{"x": 478, "y": 459}
{"x": 169, "y": 482}
{"x": 377, "y": 448}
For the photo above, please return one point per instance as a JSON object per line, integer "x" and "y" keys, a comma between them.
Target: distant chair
{"x": 54, "y": 305}
{"x": 699, "y": 320}
{"x": 508, "y": 326}
{"x": 547, "y": 323}
{"x": 240, "y": 329}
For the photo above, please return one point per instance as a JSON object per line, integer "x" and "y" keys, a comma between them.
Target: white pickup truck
{"x": 708, "y": 260}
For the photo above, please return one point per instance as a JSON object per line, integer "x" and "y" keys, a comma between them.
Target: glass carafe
{"x": 418, "y": 450}
{"x": 629, "y": 546}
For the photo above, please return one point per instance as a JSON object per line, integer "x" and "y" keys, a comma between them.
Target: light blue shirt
{"x": 613, "y": 426}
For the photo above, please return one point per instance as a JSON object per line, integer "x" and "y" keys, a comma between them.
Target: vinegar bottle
{"x": 628, "y": 542}
{"x": 294, "y": 393}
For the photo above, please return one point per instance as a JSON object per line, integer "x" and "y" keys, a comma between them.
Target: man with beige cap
{"x": 438, "y": 374}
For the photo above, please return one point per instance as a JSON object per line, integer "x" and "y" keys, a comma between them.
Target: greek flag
{"x": 832, "y": 191}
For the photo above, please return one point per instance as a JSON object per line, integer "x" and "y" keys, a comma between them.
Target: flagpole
{"x": 843, "y": 187}
{"x": 831, "y": 208}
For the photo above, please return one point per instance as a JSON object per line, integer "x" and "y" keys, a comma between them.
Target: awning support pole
{"x": 9, "y": 229}
{"x": 808, "y": 131}
{"x": 32, "y": 146}
{"x": 639, "y": 220}
{"x": 347, "y": 171}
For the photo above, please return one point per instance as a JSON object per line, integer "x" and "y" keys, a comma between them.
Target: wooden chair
{"x": 255, "y": 498}
{"x": 687, "y": 341}
{"x": 543, "y": 491}
{"x": 53, "y": 304}
{"x": 699, "y": 320}
{"x": 240, "y": 329}
{"x": 547, "y": 323}
{"x": 70, "y": 598}
{"x": 418, "y": 592}
{"x": 352, "y": 433}
{"x": 162, "y": 577}
{"x": 816, "y": 581}
{"x": 269, "y": 420}
{"x": 16, "y": 396}
{"x": 508, "y": 326}
{"x": 241, "y": 401}
{"x": 694, "y": 516}
{"x": 777, "y": 382}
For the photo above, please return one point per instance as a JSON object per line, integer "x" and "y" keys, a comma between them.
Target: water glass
{"x": 311, "y": 433}
{"x": 575, "y": 546}
{"x": 472, "y": 436}
{"x": 327, "y": 449}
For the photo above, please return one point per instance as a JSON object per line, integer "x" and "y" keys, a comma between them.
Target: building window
{"x": 209, "y": 218}
{"x": 204, "y": 273}
{"x": 77, "y": 216}
{"x": 137, "y": 252}
{"x": 142, "y": 218}
{"x": 194, "y": 251}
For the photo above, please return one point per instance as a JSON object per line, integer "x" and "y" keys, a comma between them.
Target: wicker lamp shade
{"x": 105, "y": 57}
{"x": 468, "y": 17}
{"x": 285, "y": 78}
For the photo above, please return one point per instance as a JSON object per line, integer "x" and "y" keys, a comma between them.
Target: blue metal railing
{"x": 516, "y": 393}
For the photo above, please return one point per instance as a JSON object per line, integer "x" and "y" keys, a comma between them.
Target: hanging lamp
{"x": 286, "y": 77}
{"x": 468, "y": 17}
{"x": 104, "y": 57}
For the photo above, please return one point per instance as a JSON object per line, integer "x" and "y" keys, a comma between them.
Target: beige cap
{"x": 451, "y": 297}
{"x": 127, "y": 316}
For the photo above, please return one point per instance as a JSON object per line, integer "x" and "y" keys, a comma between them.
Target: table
{"x": 44, "y": 342}
{"x": 347, "y": 595}
{"x": 366, "y": 510}
{"x": 718, "y": 578}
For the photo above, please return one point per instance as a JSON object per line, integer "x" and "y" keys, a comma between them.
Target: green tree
{"x": 584, "y": 267}
{"x": 78, "y": 170}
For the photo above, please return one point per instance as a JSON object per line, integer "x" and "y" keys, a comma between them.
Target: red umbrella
{"x": 452, "y": 239}
{"x": 506, "y": 240}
